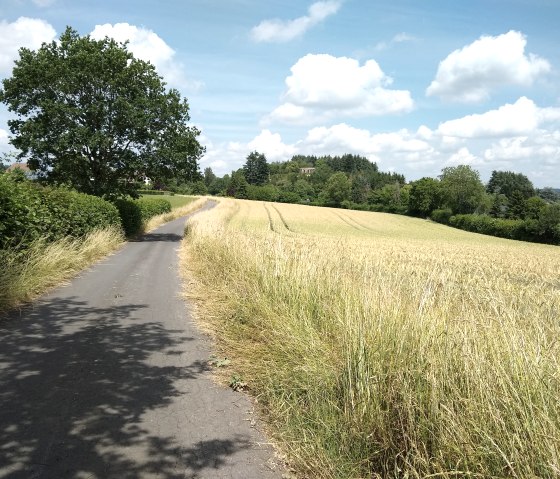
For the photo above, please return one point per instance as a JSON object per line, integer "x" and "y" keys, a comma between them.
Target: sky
{"x": 413, "y": 86}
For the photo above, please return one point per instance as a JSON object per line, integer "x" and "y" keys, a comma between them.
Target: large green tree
{"x": 90, "y": 115}
{"x": 462, "y": 190}
{"x": 509, "y": 183}
{"x": 337, "y": 189}
{"x": 425, "y": 196}
{"x": 256, "y": 169}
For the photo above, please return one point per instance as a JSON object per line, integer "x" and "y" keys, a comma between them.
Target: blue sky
{"x": 414, "y": 86}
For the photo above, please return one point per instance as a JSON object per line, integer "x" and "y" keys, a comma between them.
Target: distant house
{"x": 306, "y": 171}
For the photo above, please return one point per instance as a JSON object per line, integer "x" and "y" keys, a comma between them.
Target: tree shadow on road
{"x": 75, "y": 382}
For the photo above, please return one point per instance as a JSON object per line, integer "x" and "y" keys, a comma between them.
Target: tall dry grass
{"x": 382, "y": 346}
{"x": 26, "y": 275}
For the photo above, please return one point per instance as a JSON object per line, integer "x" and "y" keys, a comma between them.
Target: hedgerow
{"x": 134, "y": 213}
{"x": 29, "y": 211}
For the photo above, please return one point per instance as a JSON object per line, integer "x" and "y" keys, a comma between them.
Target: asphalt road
{"x": 108, "y": 378}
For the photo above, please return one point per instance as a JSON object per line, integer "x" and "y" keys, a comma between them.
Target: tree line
{"x": 508, "y": 205}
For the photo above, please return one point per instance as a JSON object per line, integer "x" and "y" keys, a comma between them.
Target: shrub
{"x": 441, "y": 216}
{"x": 524, "y": 230}
{"x": 263, "y": 193}
{"x": 30, "y": 212}
{"x": 134, "y": 213}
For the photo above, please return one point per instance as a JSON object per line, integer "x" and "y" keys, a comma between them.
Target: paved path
{"x": 108, "y": 378}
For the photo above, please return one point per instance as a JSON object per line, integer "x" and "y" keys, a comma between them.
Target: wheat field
{"x": 385, "y": 346}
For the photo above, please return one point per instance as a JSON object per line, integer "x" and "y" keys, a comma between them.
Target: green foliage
{"x": 391, "y": 198}
{"x": 501, "y": 227}
{"x": 441, "y": 215}
{"x": 425, "y": 196}
{"x": 533, "y": 207}
{"x": 255, "y": 169}
{"x": 91, "y": 116}
{"x": 550, "y": 195}
{"x": 30, "y": 212}
{"x": 151, "y": 192}
{"x": 209, "y": 176}
{"x": 361, "y": 188}
{"x": 544, "y": 229}
{"x": 134, "y": 213}
{"x": 336, "y": 190}
{"x": 321, "y": 174}
{"x": 218, "y": 186}
{"x": 462, "y": 190}
{"x": 263, "y": 193}
{"x": 508, "y": 183}
{"x": 237, "y": 185}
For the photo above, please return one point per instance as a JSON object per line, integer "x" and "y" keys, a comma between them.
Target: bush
{"x": 29, "y": 212}
{"x": 134, "y": 213}
{"x": 441, "y": 216}
{"x": 150, "y": 192}
{"x": 263, "y": 193}
{"x": 524, "y": 230}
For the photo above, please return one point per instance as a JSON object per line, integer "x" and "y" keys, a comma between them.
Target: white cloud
{"x": 24, "y": 32}
{"x": 486, "y": 142}
{"x": 522, "y": 117}
{"x": 322, "y": 86}
{"x": 463, "y": 157}
{"x": 398, "y": 38}
{"x": 284, "y": 31}
{"x": 148, "y": 46}
{"x": 272, "y": 146}
{"x": 471, "y": 73}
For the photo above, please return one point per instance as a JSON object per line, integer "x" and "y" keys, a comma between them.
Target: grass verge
{"x": 192, "y": 205}
{"x": 24, "y": 276}
{"x": 177, "y": 201}
{"x": 387, "y": 357}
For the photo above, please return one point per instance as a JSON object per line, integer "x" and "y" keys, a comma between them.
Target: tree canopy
{"x": 508, "y": 183}
{"x": 90, "y": 115}
{"x": 462, "y": 190}
{"x": 256, "y": 169}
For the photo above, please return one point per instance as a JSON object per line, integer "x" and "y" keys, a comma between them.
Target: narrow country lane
{"x": 108, "y": 378}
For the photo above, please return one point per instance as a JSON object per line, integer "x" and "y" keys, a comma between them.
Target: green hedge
{"x": 134, "y": 213}
{"x": 150, "y": 192}
{"x": 524, "y": 230}
{"x": 441, "y": 216}
{"x": 29, "y": 211}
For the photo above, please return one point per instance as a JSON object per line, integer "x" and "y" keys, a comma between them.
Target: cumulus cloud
{"x": 283, "y": 31}
{"x": 24, "y": 32}
{"x": 471, "y": 73}
{"x": 463, "y": 157}
{"x": 323, "y": 86}
{"x": 272, "y": 146}
{"x": 522, "y": 117}
{"x": 148, "y": 46}
{"x": 486, "y": 142}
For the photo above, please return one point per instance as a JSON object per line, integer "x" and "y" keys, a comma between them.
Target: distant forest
{"x": 508, "y": 205}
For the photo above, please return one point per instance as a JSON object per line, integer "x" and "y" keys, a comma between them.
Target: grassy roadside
{"x": 397, "y": 353}
{"x": 186, "y": 206}
{"x": 25, "y": 276}
{"x": 177, "y": 201}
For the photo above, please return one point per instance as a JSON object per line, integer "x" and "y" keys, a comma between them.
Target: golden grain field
{"x": 385, "y": 346}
